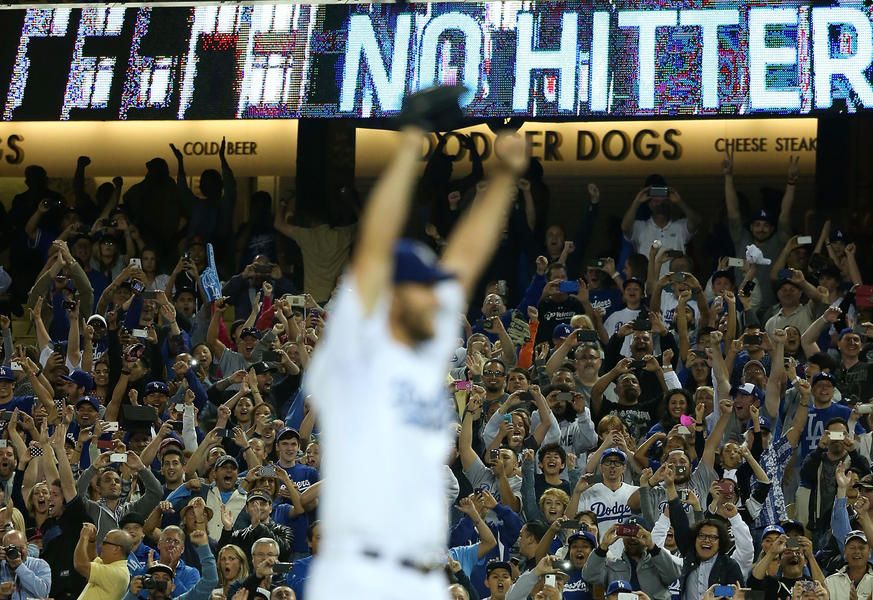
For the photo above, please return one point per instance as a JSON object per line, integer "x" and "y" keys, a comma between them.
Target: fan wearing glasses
{"x": 107, "y": 572}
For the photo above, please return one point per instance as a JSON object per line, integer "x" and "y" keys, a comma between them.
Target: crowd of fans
{"x": 627, "y": 422}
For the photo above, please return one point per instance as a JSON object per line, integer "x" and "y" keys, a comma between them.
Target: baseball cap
{"x": 258, "y": 495}
{"x": 838, "y": 235}
{"x": 94, "y": 402}
{"x": 772, "y": 529}
{"x": 619, "y": 585}
{"x": 866, "y": 482}
{"x": 561, "y": 331}
{"x": 81, "y": 378}
{"x": 156, "y": 387}
{"x": 856, "y": 533}
{"x": 795, "y": 526}
{"x": 7, "y": 374}
{"x": 631, "y": 280}
{"x": 764, "y": 422}
{"x": 823, "y": 376}
{"x": 287, "y": 432}
{"x": 98, "y": 318}
{"x": 497, "y": 564}
{"x": 763, "y": 215}
{"x": 262, "y": 367}
{"x": 846, "y": 331}
{"x": 613, "y": 452}
{"x": 161, "y": 568}
{"x": 416, "y": 263}
{"x": 749, "y": 389}
{"x": 754, "y": 363}
{"x": 583, "y": 535}
{"x": 250, "y": 331}
{"x": 131, "y": 517}
{"x": 225, "y": 460}
{"x": 170, "y": 441}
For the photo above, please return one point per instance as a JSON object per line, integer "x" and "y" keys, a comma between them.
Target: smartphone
{"x": 6, "y": 416}
{"x": 597, "y": 264}
{"x": 118, "y": 457}
{"x": 179, "y": 407}
{"x": 586, "y": 336}
{"x": 736, "y": 262}
{"x": 507, "y": 419}
{"x": 753, "y": 339}
{"x": 807, "y": 585}
{"x": 723, "y": 591}
{"x": 15, "y": 366}
{"x": 226, "y": 434}
{"x": 683, "y": 494}
{"x": 487, "y": 323}
{"x": 463, "y": 386}
{"x": 680, "y": 469}
{"x": 627, "y": 596}
{"x": 177, "y": 426}
{"x": 792, "y": 543}
{"x": 638, "y": 364}
{"x": 550, "y": 580}
{"x": 135, "y": 262}
{"x": 150, "y": 295}
{"x": 568, "y": 287}
{"x": 749, "y": 287}
{"x": 865, "y": 409}
{"x": 837, "y": 436}
{"x": 140, "y": 333}
{"x": 35, "y": 451}
{"x": 137, "y": 286}
{"x": 657, "y": 191}
{"x": 281, "y": 567}
{"x": 803, "y": 240}
{"x": 495, "y": 455}
{"x": 105, "y": 444}
{"x": 785, "y": 274}
{"x": 267, "y": 471}
{"x": 678, "y": 277}
{"x": 110, "y": 426}
{"x": 624, "y": 530}
{"x": 565, "y": 396}
{"x": 263, "y": 269}
{"x": 642, "y": 325}
{"x": 726, "y": 488}
{"x": 297, "y": 301}
{"x": 271, "y": 356}
{"x": 575, "y": 525}
{"x": 682, "y": 430}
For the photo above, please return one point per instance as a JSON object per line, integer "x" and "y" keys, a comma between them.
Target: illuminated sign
{"x": 537, "y": 59}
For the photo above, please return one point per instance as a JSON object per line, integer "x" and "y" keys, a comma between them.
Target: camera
{"x": 150, "y": 583}
{"x": 12, "y": 552}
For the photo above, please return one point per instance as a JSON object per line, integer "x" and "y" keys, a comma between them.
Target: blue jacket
{"x": 34, "y": 579}
{"x": 298, "y": 575}
{"x": 202, "y": 590}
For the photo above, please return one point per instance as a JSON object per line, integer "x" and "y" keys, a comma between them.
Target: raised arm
{"x": 465, "y": 438}
{"x": 476, "y": 236}
{"x": 730, "y": 191}
{"x": 798, "y": 425}
{"x": 180, "y": 168}
{"x": 383, "y": 220}
{"x": 788, "y": 196}
{"x": 630, "y": 215}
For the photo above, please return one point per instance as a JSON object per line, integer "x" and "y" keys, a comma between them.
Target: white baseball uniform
{"x": 385, "y": 414}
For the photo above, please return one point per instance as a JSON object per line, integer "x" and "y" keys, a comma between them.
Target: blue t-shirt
{"x": 576, "y": 588}
{"x": 298, "y": 575}
{"x": 303, "y": 477}
{"x": 299, "y": 525}
{"x": 608, "y": 299}
{"x": 815, "y": 424}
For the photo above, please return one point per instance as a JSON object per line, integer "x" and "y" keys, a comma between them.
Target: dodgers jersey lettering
{"x": 384, "y": 412}
{"x": 610, "y": 507}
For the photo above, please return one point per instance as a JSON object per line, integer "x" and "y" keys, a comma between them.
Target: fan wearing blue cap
{"x": 393, "y": 327}
{"x": 822, "y": 409}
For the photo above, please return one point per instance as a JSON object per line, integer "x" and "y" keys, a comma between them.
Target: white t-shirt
{"x": 674, "y": 236}
{"x": 616, "y": 320}
{"x": 610, "y": 507}
{"x": 385, "y": 414}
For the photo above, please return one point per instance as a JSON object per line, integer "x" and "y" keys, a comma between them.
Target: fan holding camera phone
{"x": 641, "y": 560}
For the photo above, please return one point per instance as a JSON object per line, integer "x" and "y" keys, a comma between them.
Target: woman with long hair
{"x": 233, "y": 568}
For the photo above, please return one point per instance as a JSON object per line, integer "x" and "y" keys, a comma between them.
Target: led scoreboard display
{"x": 540, "y": 60}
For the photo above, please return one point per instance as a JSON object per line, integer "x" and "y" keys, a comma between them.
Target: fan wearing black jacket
{"x": 704, "y": 548}
{"x": 259, "y": 505}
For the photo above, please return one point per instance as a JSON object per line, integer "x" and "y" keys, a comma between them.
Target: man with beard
{"x": 224, "y": 491}
{"x": 556, "y": 307}
{"x": 580, "y": 545}
{"x": 641, "y": 562}
{"x": 76, "y": 385}
{"x": 673, "y": 234}
{"x": 793, "y": 555}
{"x": 172, "y": 465}
{"x": 163, "y": 576}
{"x": 653, "y": 497}
{"x": 763, "y": 231}
{"x": 818, "y": 477}
{"x": 107, "y": 511}
{"x": 156, "y": 394}
{"x": 60, "y": 532}
{"x": 633, "y": 408}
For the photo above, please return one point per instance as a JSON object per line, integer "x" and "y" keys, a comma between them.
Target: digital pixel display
{"x": 568, "y": 60}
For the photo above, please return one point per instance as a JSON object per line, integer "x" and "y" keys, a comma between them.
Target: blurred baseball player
{"x": 378, "y": 381}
